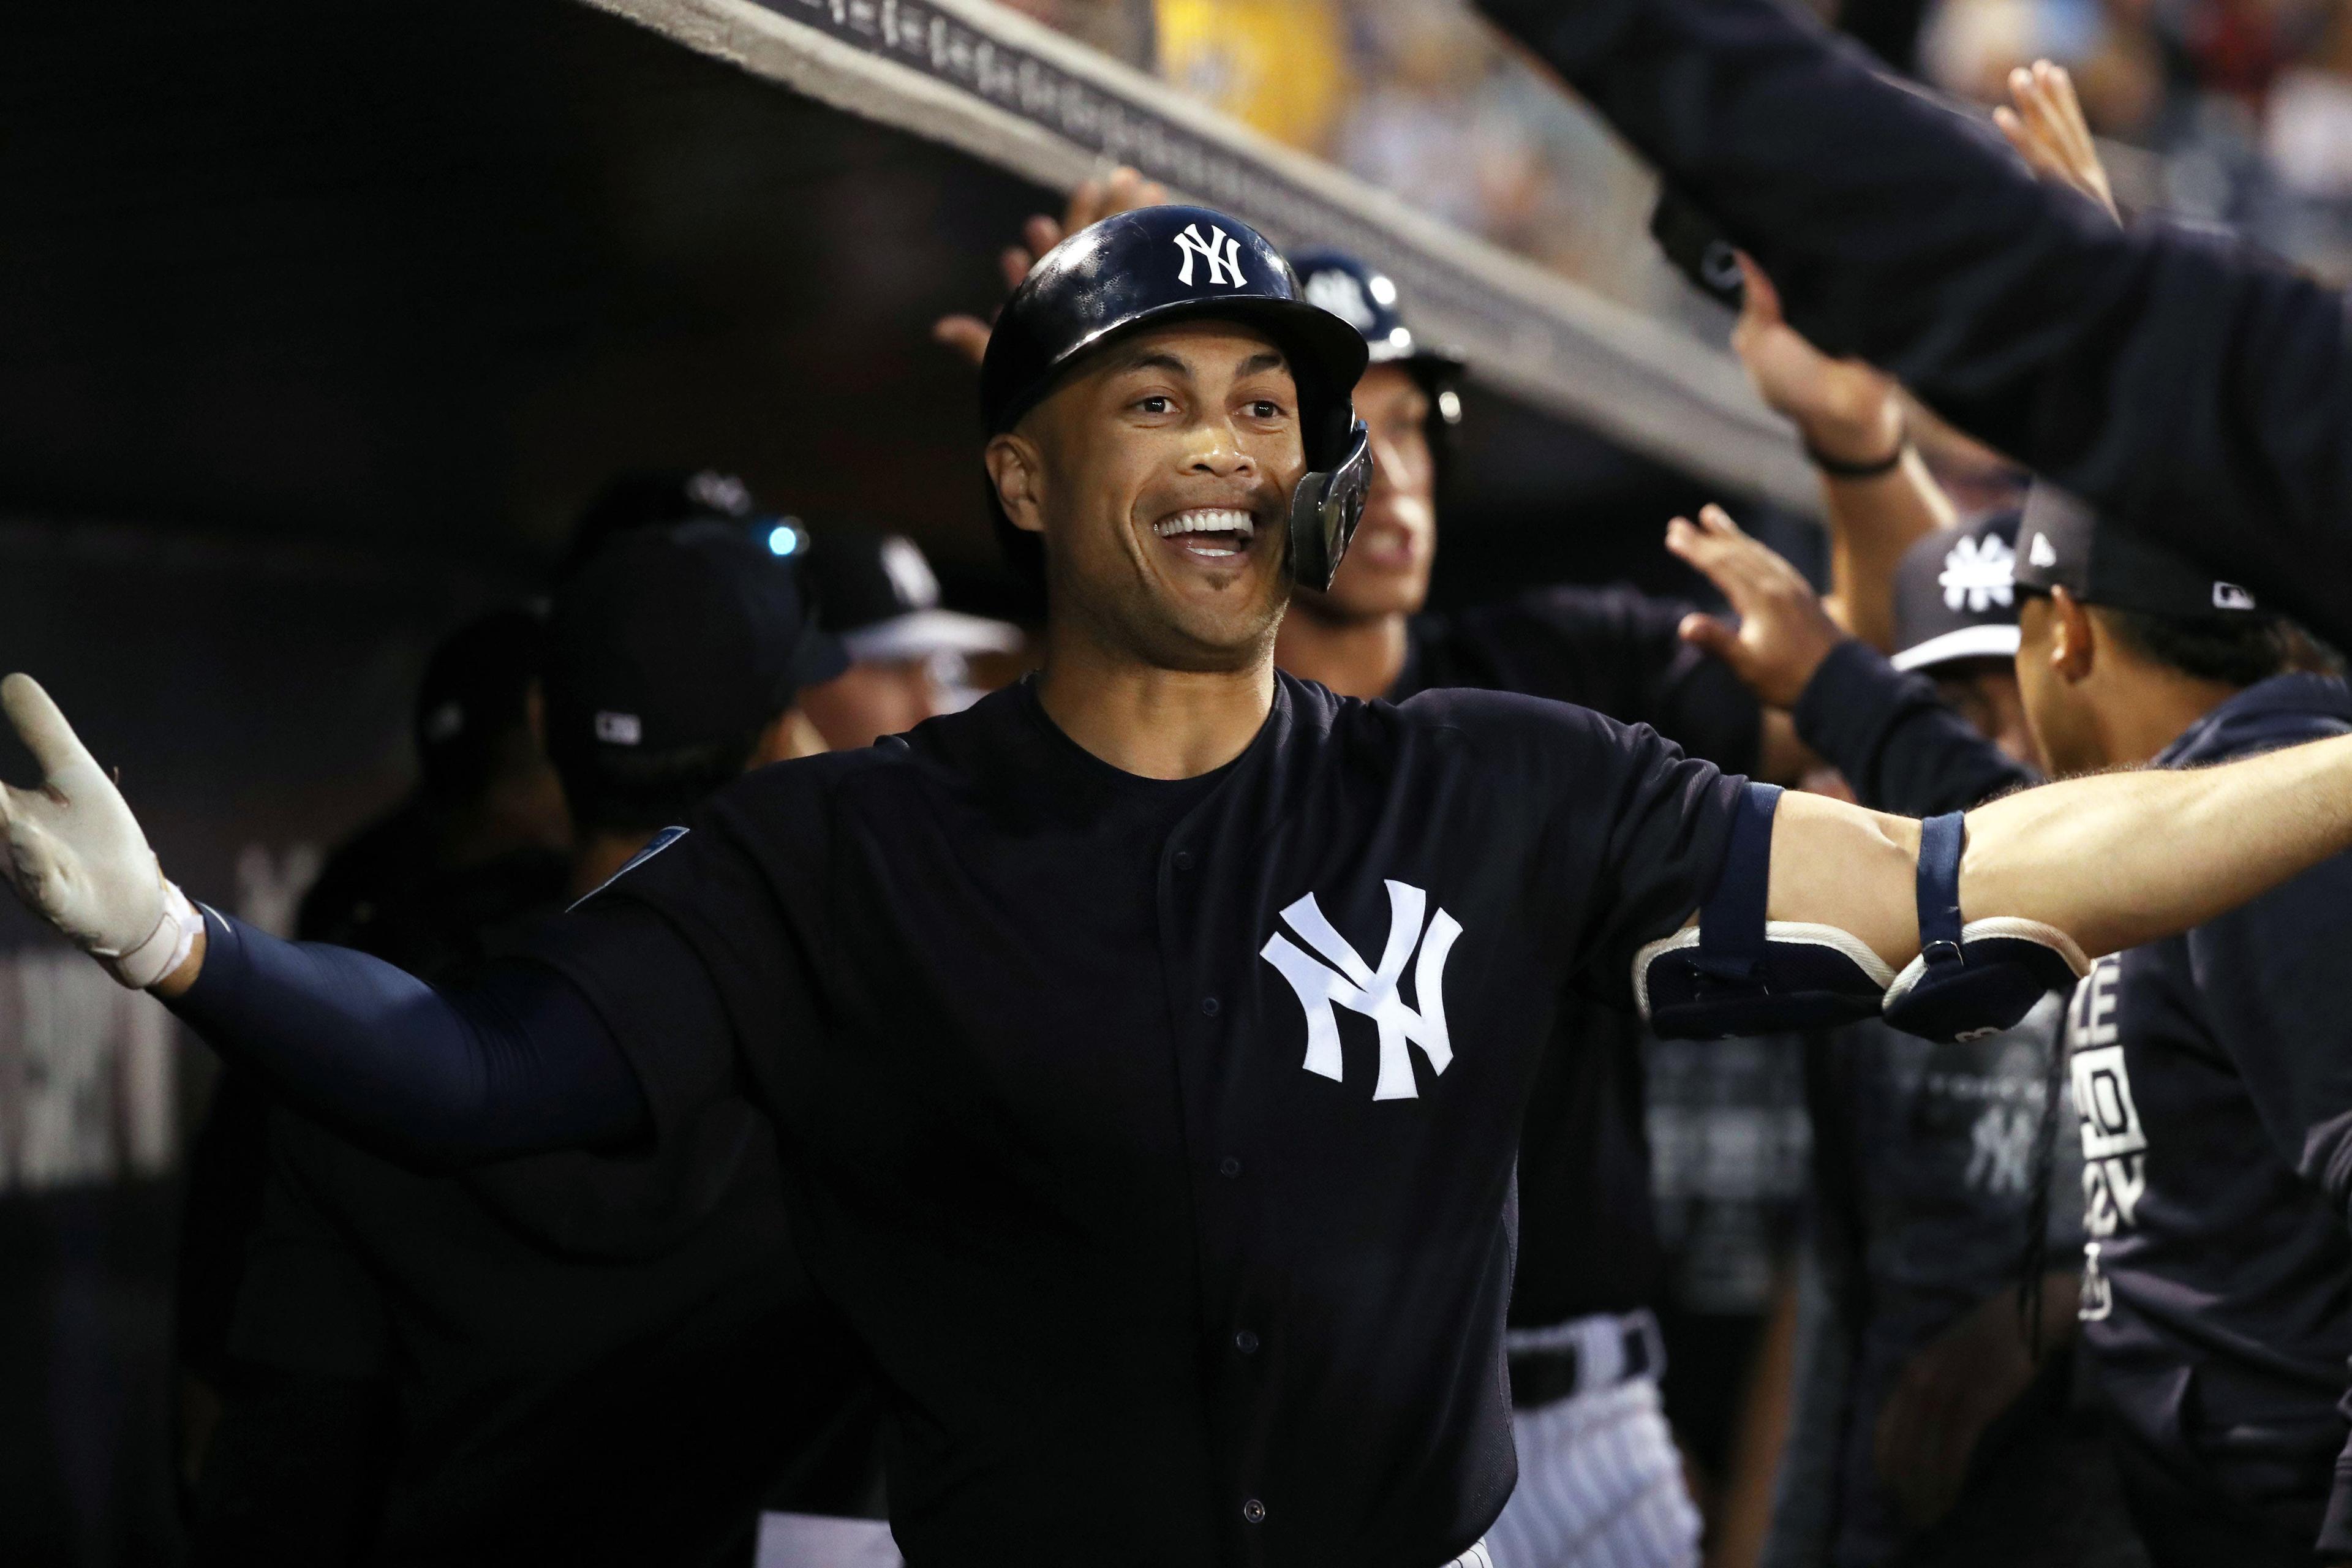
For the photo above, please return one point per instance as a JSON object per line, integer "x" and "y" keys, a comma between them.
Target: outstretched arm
{"x": 2112, "y": 860}
{"x": 1123, "y": 190}
{"x": 2186, "y": 387}
{"x": 519, "y": 1063}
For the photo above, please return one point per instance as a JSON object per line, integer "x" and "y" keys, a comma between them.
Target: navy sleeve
{"x": 2190, "y": 387}
{"x": 1628, "y": 835}
{"x": 518, "y": 1062}
{"x": 1895, "y": 741}
{"x": 2269, "y": 975}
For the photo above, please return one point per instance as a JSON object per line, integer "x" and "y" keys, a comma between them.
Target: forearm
{"x": 516, "y": 1064}
{"x": 1872, "y": 522}
{"x": 1895, "y": 741}
{"x": 2119, "y": 859}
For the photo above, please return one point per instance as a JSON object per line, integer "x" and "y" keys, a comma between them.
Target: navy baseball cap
{"x": 881, "y": 597}
{"x": 679, "y": 637}
{"x": 2068, "y": 545}
{"x": 476, "y": 687}
{"x": 1956, "y": 596}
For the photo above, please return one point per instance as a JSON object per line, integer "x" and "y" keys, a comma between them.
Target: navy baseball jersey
{"x": 2212, "y": 1075}
{"x": 1588, "y": 1221}
{"x": 1158, "y": 1137}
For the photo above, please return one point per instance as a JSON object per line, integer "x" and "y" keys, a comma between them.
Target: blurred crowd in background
{"x": 2235, "y": 111}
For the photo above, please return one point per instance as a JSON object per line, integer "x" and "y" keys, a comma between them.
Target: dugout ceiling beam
{"x": 980, "y": 78}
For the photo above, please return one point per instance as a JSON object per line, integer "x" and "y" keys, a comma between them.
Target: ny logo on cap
{"x": 1359, "y": 987}
{"x": 1979, "y": 574}
{"x": 2229, "y": 596}
{"x": 1340, "y": 293}
{"x": 1222, "y": 254}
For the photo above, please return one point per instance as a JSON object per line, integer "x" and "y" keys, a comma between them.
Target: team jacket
{"x": 1923, "y": 1155}
{"x": 2190, "y": 386}
{"x": 2213, "y": 1075}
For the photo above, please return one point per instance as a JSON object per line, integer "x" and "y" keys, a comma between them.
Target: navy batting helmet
{"x": 1159, "y": 265}
{"x": 1366, "y": 300}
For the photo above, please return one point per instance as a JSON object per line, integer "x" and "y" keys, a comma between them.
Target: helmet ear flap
{"x": 1325, "y": 510}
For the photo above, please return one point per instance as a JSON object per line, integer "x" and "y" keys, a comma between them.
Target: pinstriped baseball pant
{"x": 1600, "y": 1485}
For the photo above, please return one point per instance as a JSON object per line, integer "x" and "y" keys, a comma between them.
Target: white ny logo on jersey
{"x": 1357, "y": 986}
{"x": 1222, "y": 254}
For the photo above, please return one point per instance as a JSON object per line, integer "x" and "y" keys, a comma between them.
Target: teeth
{"x": 1207, "y": 520}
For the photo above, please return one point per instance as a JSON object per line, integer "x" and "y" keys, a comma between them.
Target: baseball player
{"x": 2204, "y": 1069}
{"x": 1930, "y": 1425}
{"x": 908, "y": 655}
{"x": 1178, "y": 1230}
{"x": 438, "y": 1368}
{"x": 1601, "y": 1479}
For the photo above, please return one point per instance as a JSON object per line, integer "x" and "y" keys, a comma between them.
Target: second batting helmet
{"x": 1159, "y": 265}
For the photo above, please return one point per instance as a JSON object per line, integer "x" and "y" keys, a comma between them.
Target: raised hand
{"x": 1845, "y": 410}
{"x": 1092, "y": 202}
{"x": 77, "y": 856}
{"x": 1783, "y": 632}
{"x": 2049, "y": 132}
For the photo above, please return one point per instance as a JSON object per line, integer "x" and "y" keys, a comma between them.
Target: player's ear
{"x": 1015, "y": 469}
{"x": 2073, "y": 637}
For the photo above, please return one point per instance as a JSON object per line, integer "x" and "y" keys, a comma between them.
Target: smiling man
{"x": 1147, "y": 1044}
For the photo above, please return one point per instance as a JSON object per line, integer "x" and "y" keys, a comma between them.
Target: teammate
{"x": 2211, "y": 1304}
{"x": 2197, "y": 391}
{"x": 484, "y": 832}
{"x": 908, "y": 656}
{"x": 1159, "y": 1262}
{"x": 565, "y": 1355}
{"x": 1923, "y": 1429}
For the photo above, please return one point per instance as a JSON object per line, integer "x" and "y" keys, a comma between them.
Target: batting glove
{"x": 77, "y": 857}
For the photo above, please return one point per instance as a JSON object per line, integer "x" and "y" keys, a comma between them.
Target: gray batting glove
{"x": 77, "y": 857}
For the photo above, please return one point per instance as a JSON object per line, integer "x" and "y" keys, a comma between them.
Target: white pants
{"x": 1600, "y": 1485}
{"x": 806, "y": 1540}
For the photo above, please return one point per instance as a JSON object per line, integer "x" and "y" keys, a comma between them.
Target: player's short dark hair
{"x": 613, "y": 790}
{"x": 2235, "y": 650}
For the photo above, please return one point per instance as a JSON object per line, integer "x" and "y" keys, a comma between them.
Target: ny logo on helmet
{"x": 1222, "y": 254}
{"x": 1359, "y": 987}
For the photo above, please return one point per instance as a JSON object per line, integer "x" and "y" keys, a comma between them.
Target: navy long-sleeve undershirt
{"x": 513, "y": 1063}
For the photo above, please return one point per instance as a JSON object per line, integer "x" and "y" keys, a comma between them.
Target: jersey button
{"x": 1183, "y": 858}
{"x": 1245, "y": 1342}
{"x": 1229, "y": 1166}
{"x": 1209, "y": 1006}
{"x": 1254, "y": 1511}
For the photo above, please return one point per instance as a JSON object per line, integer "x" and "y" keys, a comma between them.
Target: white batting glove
{"x": 77, "y": 857}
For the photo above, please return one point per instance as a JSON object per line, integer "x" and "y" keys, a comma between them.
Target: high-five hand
{"x": 1783, "y": 632}
{"x": 77, "y": 857}
{"x": 1845, "y": 409}
{"x": 1093, "y": 201}
{"x": 2049, "y": 132}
